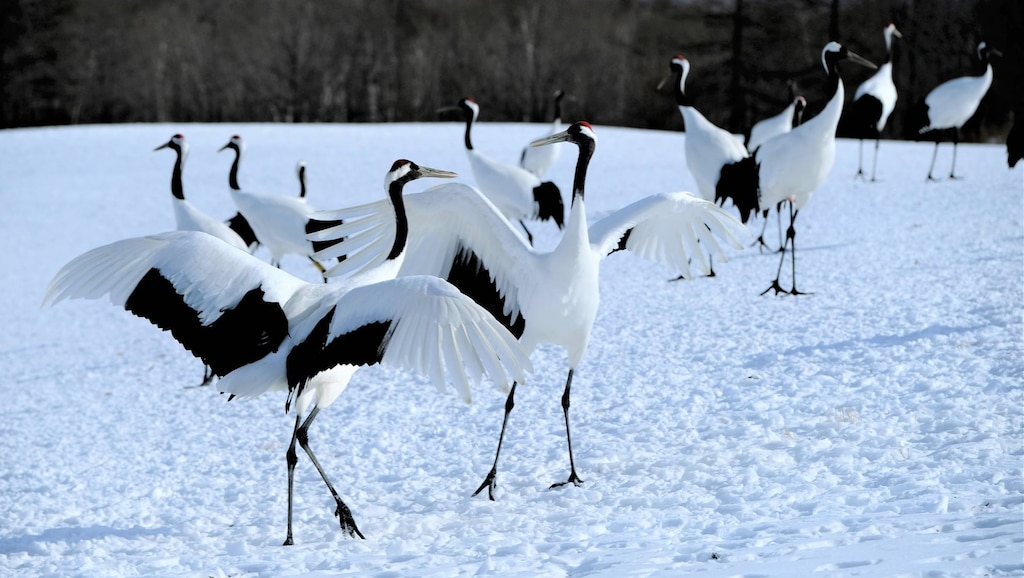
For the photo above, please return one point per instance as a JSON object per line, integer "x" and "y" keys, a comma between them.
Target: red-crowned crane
{"x": 951, "y": 104}
{"x": 791, "y": 166}
{"x": 551, "y": 297}
{"x": 873, "y": 102}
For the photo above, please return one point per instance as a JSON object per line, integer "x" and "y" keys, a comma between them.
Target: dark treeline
{"x": 92, "y": 61}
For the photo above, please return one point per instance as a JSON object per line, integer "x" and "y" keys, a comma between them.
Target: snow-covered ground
{"x": 873, "y": 428}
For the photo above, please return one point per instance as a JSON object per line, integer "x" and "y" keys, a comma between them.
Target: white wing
{"x": 443, "y": 221}
{"x": 667, "y": 228}
{"x": 189, "y": 218}
{"x": 210, "y": 275}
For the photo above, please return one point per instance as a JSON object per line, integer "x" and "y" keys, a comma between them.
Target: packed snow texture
{"x": 873, "y": 428}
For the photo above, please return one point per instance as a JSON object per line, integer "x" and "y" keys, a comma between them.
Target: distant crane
{"x": 518, "y": 193}
{"x": 951, "y": 104}
{"x": 873, "y": 102}
{"x": 278, "y": 222}
{"x": 262, "y": 329}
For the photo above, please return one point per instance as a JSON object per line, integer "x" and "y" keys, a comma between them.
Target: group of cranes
{"x": 443, "y": 282}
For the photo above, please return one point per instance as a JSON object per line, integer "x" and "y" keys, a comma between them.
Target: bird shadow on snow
{"x": 929, "y": 332}
{"x": 36, "y": 543}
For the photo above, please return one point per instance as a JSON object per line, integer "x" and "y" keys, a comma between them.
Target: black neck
{"x": 469, "y": 125}
{"x": 176, "y": 188}
{"x": 302, "y": 183}
{"x": 401, "y": 220}
{"x": 833, "y": 77}
{"x": 681, "y": 98}
{"x": 558, "y": 109}
{"x": 580, "y": 178}
{"x": 233, "y": 175}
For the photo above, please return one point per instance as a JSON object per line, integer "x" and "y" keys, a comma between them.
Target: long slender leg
{"x": 874, "y": 164}
{"x": 292, "y": 459}
{"x": 775, "y": 284}
{"x": 860, "y": 160}
{"x": 956, "y": 140}
{"x": 760, "y": 238}
{"x": 348, "y": 524}
{"x": 934, "y": 153}
{"x": 791, "y": 233}
{"x": 489, "y": 482}
{"x": 207, "y": 375}
{"x": 573, "y": 478}
{"x": 778, "y": 220}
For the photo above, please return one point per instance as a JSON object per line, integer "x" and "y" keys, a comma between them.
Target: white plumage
{"x": 951, "y": 104}
{"x": 708, "y": 147}
{"x": 278, "y": 221}
{"x": 790, "y": 167}
{"x": 263, "y": 329}
{"x": 873, "y": 102}
{"x": 544, "y": 297}
{"x": 515, "y": 191}
{"x": 776, "y": 125}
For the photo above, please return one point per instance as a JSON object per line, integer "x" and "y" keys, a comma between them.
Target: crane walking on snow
{"x": 552, "y": 297}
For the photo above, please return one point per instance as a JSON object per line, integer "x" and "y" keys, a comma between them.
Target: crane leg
{"x": 934, "y": 153}
{"x": 301, "y": 435}
{"x": 775, "y": 284}
{"x": 791, "y": 234}
{"x": 319, "y": 268}
{"x": 574, "y": 479}
{"x": 956, "y": 141}
{"x": 860, "y": 161}
{"x": 874, "y": 163}
{"x": 207, "y": 375}
{"x": 489, "y": 481}
{"x": 760, "y": 238}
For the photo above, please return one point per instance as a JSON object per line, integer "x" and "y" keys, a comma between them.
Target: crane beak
{"x": 436, "y": 173}
{"x": 897, "y": 33}
{"x": 163, "y": 146}
{"x": 854, "y": 57}
{"x": 664, "y": 81}
{"x": 995, "y": 52}
{"x": 225, "y": 146}
{"x": 551, "y": 139}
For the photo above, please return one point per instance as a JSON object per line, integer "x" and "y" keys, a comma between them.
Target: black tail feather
{"x": 739, "y": 181}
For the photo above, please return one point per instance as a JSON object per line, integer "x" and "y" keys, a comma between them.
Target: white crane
{"x": 791, "y": 166}
{"x": 188, "y": 217}
{"x": 708, "y": 147}
{"x": 951, "y": 104}
{"x": 538, "y": 160}
{"x": 767, "y": 128}
{"x": 873, "y": 102}
{"x": 278, "y": 222}
{"x": 518, "y": 193}
{"x": 543, "y": 297}
{"x": 262, "y": 329}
